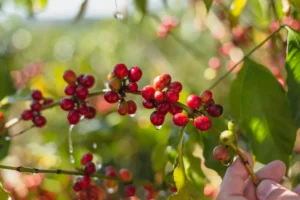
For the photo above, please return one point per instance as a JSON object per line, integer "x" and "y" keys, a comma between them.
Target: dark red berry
{"x": 202, "y": 123}
{"x": 91, "y": 113}
{"x": 177, "y": 86}
{"x": 148, "y": 104}
{"x": 205, "y": 96}
{"x": 115, "y": 84}
{"x": 67, "y": 104}
{"x": 180, "y": 119}
{"x": 148, "y": 92}
{"x": 133, "y": 87}
{"x": 70, "y": 89}
{"x": 39, "y": 120}
{"x": 166, "y": 79}
{"x": 193, "y": 101}
{"x": 36, "y": 106}
{"x": 80, "y": 79}
{"x": 69, "y": 76}
{"x": 88, "y": 81}
{"x": 37, "y": 95}
{"x": 131, "y": 107}
{"x": 172, "y": 96}
{"x": 163, "y": 108}
{"x": 159, "y": 96}
{"x": 120, "y": 70}
{"x": 220, "y": 153}
{"x": 77, "y": 186}
{"x": 125, "y": 175}
{"x": 123, "y": 108}
{"x": 134, "y": 74}
{"x": 111, "y": 171}
{"x": 215, "y": 110}
{"x": 89, "y": 168}
{"x": 175, "y": 109}
{"x": 82, "y": 92}
{"x": 87, "y": 157}
{"x": 73, "y": 117}
{"x": 209, "y": 103}
{"x": 130, "y": 190}
{"x": 85, "y": 182}
{"x": 111, "y": 97}
{"x": 27, "y": 115}
{"x": 83, "y": 109}
{"x": 47, "y": 101}
{"x": 173, "y": 189}
{"x": 157, "y": 119}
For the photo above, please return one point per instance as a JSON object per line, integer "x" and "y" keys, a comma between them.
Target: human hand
{"x": 237, "y": 185}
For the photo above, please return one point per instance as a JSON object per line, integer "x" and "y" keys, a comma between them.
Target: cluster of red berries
{"x": 162, "y": 95}
{"x": 167, "y": 24}
{"x": 36, "y": 106}
{"x": 77, "y": 89}
{"x": 202, "y": 105}
{"x": 117, "y": 82}
{"x": 89, "y": 169}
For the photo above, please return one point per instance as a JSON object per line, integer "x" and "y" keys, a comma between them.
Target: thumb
{"x": 270, "y": 190}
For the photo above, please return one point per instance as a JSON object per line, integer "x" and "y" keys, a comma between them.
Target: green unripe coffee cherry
{"x": 231, "y": 126}
{"x": 226, "y": 137}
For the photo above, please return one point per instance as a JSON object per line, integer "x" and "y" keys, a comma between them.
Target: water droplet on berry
{"x": 132, "y": 115}
{"x": 72, "y": 160}
{"x": 95, "y": 145}
{"x": 158, "y": 127}
{"x": 7, "y": 138}
{"x": 118, "y": 15}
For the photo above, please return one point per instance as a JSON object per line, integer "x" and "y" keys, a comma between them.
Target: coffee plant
{"x": 148, "y": 106}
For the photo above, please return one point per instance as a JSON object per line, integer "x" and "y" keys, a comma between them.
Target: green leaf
{"x": 4, "y": 145}
{"x": 236, "y": 9}
{"x": 3, "y": 194}
{"x": 295, "y": 4}
{"x": 265, "y": 116}
{"x": 183, "y": 194}
{"x": 38, "y": 5}
{"x": 6, "y": 84}
{"x": 293, "y": 74}
{"x": 208, "y": 4}
{"x": 141, "y": 5}
{"x": 159, "y": 158}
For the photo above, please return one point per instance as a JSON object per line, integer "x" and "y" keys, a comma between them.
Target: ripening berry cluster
{"x": 120, "y": 81}
{"x": 167, "y": 24}
{"x": 77, "y": 90}
{"x": 89, "y": 168}
{"x": 162, "y": 95}
{"x": 36, "y": 106}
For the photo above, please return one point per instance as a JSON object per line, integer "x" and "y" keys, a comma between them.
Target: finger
{"x": 273, "y": 171}
{"x": 270, "y": 190}
{"x": 234, "y": 180}
{"x": 297, "y": 190}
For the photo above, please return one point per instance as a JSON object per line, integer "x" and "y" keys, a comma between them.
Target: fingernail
{"x": 265, "y": 188}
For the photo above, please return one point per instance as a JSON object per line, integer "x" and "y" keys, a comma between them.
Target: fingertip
{"x": 265, "y": 188}
{"x": 280, "y": 166}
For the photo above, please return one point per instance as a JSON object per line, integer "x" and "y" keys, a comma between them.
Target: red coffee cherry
{"x": 166, "y": 79}
{"x": 27, "y": 115}
{"x": 173, "y": 189}
{"x": 172, "y": 96}
{"x": 91, "y": 113}
{"x": 209, "y": 103}
{"x": 88, "y": 81}
{"x": 158, "y": 83}
{"x": 123, "y": 108}
{"x": 148, "y": 104}
{"x": 39, "y": 121}
{"x": 37, "y": 95}
{"x": 157, "y": 119}
{"x": 83, "y": 109}
{"x": 70, "y": 89}
{"x": 73, "y": 117}
{"x": 87, "y": 157}
{"x": 111, "y": 171}
{"x": 77, "y": 186}
{"x": 115, "y": 84}
{"x": 36, "y": 106}
{"x": 82, "y": 92}
{"x": 163, "y": 108}
{"x": 120, "y": 70}
{"x": 67, "y": 104}
{"x": 175, "y": 109}
{"x": 148, "y": 92}
{"x": 85, "y": 182}
{"x": 180, "y": 119}
{"x": 215, "y": 110}
{"x": 221, "y": 153}
{"x": 125, "y": 175}
{"x": 193, "y": 101}
{"x": 205, "y": 96}
{"x": 202, "y": 123}
{"x": 111, "y": 97}
{"x": 69, "y": 76}
{"x": 132, "y": 107}
{"x": 48, "y": 101}
{"x": 89, "y": 168}
{"x": 159, "y": 96}
{"x": 133, "y": 87}
{"x": 135, "y": 74}
{"x": 130, "y": 190}
{"x": 80, "y": 79}
{"x": 177, "y": 86}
